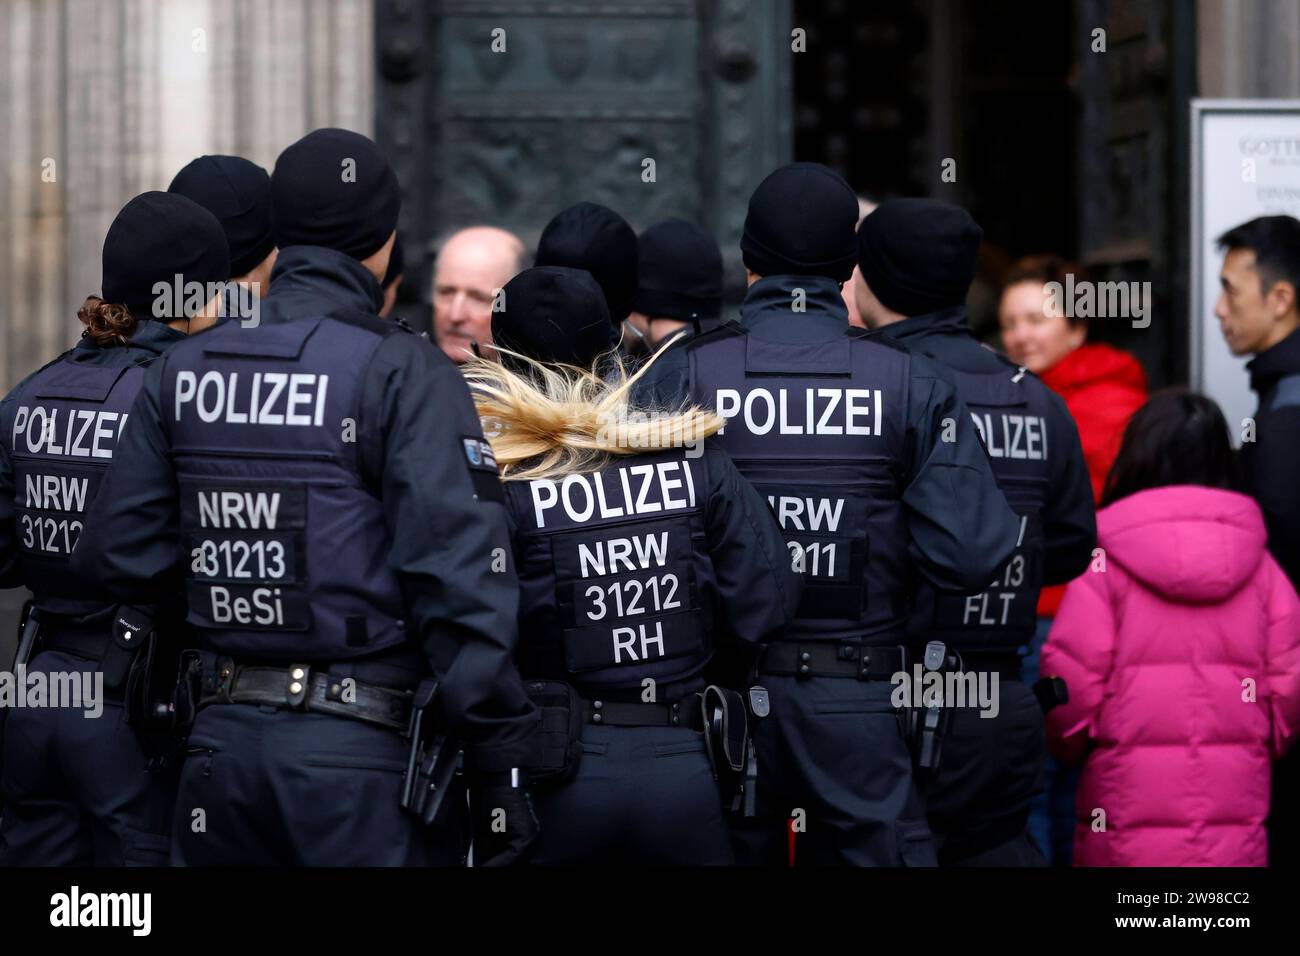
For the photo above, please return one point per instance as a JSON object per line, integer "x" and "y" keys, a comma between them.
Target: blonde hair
{"x": 556, "y": 420}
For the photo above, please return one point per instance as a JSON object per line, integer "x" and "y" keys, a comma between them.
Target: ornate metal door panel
{"x": 505, "y": 112}
{"x": 1133, "y": 139}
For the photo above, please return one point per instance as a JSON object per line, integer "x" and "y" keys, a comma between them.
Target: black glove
{"x": 505, "y": 825}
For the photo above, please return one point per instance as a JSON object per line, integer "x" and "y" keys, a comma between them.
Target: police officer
{"x": 238, "y": 193}
{"x": 314, "y": 483}
{"x": 917, "y": 260}
{"x": 875, "y": 472}
{"x": 679, "y": 282}
{"x": 78, "y": 787}
{"x": 598, "y": 240}
{"x": 639, "y": 553}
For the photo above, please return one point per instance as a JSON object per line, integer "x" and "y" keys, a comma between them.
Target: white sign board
{"x": 1245, "y": 163}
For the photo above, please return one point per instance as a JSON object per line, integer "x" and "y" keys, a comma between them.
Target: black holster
{"x": 929, "y": 723}
{"x": 143, "y": 666}
{"x": 29, "y": 636}
{"x": 730, "y": 750}
{"x": 29, "y": 633}
{"x": 435, "y": 759}
{"x": 559, "y": 735}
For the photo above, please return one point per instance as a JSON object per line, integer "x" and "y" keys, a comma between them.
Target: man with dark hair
{"x": 1259, "y": 314}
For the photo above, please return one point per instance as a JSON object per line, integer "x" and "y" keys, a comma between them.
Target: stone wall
{"x": 104, "y": 99}
{"x": 1248, "y": 49}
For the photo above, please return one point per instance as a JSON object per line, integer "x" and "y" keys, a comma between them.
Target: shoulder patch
{"x": 482, "y": 466}
{"x": 479, "y": 453}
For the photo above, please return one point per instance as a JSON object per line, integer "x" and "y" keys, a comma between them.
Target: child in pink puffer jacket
{"x": 1182, "y": 656}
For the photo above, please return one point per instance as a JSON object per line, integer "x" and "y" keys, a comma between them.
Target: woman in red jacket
{"x": 1102, "y": 387}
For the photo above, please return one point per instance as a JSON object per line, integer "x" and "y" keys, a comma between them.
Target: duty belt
{"x": 832, "y": 659}
{"x": 685, "y": 712}
{"x": 296, "y": 687}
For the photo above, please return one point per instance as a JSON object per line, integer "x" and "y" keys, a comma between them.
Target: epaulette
{"x": 371, "y": 323}
{"x": 1006, "y": 360}
{"x": 879, "y": 336}
{"x": 721, "y": 330}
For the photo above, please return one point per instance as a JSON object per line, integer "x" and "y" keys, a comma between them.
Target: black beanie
{"x": 918, "y": 255}
{"x": 679, "y": 272}
{"x": 238, "y": 193}
{"x": 553, "y": 314}
{"x": 396, "y": 263}
{"x": 598, "y": 240}
{"x": 334, "y": 188}
{"x": 156, "y": 237}
{"x": 800, "y": 222}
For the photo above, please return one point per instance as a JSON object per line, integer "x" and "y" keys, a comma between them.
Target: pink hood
{"x": 1188, "y": 543}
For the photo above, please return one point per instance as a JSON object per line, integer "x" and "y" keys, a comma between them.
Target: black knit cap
{"x": 238, "y": 193}
{"x": 553, "y": 314}
{"x": 679, "y": 272}
{"x": 918, "y": 255}
{"x": 156, "y": 237}
{"x": 334, "y": 188}
{"x": 800, "y": 222}
{"x": 598, "y": 240}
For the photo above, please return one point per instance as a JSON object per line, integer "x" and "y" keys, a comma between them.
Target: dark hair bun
{"x": 107, "y": 323}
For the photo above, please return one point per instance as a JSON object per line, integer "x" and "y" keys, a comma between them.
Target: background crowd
{"x": 1191, "y": 612}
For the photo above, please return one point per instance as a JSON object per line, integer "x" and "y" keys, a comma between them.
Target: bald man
{"x": 473, "y": 265}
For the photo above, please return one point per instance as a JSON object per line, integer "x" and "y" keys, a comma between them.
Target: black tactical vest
{"x": 1013, "y": 422}
{"x": 818, "y": 428}
{"x": 616, "y": 584}
{"x": 67, "y": 419}
{"x": 286, "y": 547}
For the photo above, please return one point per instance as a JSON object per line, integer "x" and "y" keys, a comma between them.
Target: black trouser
{"x": 990, "y": 769}
{"x": 641, "y": 795}
{"x": 835, "y": 749}
{"x": 76, "y": 788}
{"x": 263, "y": 785}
